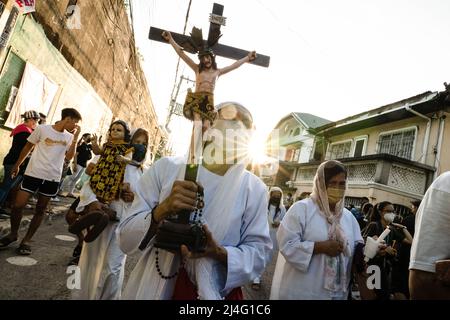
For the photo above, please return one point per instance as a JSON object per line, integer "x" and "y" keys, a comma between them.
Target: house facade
{"x": 292, "y": 142}
{"x": 392, "y": 153}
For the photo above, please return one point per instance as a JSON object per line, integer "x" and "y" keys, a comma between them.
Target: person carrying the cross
{"x": 233, "y": 216}
{"x": 200, "y": 104}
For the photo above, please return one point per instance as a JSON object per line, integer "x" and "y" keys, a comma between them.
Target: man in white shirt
{"x": 51, "y": 144}
{"x": 234, "y": 213}
{"x": 431, "y": 242}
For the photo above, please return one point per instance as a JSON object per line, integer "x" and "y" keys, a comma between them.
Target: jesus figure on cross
{"x": 199, "y": 105}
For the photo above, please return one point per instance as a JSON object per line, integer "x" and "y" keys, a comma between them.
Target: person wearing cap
{"x": 233, "y": 218}
{"x": 20, "y": 135}
{"x": 51, "y": 144}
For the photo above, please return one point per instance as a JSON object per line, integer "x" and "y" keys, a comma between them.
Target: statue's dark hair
{"x": 127, "y": 136}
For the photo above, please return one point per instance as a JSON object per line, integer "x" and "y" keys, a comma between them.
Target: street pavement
{"x": 47, "y": 278}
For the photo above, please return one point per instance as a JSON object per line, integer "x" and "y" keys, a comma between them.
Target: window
{"x": 359, "y": 148}
{"x": 356, "y": 202}
{"x": 11, "y": 75}
{"x": 398, "y": 143}
{"x": 401, "y": 210}
{"x": 319, "y": 149}
{"x": 297, "y": 132}
{"x": 292, "y": 154}
{"x": 296, "y": 155}
{"x": 2, "y": 7}
{"x": 339, "y": 150}
{"x": 9, "y": 28}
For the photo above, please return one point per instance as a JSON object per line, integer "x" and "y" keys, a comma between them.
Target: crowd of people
{"x": 316, "y": 243}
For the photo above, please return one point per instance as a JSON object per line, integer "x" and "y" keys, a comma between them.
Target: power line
{"x": 184, "y": 32}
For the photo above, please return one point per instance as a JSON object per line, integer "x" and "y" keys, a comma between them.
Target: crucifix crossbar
{"x": 214, "y": 34}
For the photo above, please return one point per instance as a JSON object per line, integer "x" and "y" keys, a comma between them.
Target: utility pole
{"x": 176, "y": 108}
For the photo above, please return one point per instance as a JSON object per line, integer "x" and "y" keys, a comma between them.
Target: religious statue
{"x": 199, "y": 105}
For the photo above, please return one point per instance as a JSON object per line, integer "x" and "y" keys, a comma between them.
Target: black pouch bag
{"x": 171, "y": 235}
{"x": 174, "y": 232}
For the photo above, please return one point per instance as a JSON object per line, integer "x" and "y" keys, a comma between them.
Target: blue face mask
{"x": 139, "y": 152}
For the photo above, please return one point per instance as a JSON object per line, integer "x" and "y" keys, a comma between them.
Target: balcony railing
{"x": 392, "y": 171}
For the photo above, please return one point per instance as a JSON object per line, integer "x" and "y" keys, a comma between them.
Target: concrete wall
{"x": 103, "y": 51}
{"x": 95, "y": 66}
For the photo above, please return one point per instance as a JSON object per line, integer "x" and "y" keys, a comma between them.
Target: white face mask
{"x": 389, "y": 217}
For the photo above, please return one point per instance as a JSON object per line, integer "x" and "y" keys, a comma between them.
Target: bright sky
{"x": 328, "y": 58}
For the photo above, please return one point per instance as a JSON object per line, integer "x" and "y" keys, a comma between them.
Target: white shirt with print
{"x": 50, "y": 149}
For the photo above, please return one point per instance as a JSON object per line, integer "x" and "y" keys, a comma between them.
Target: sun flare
{"x": 257, "y": 148}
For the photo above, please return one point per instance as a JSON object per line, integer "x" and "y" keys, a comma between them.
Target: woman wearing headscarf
{"x": 317, "y": 240}
{"x": 275, "y": 213}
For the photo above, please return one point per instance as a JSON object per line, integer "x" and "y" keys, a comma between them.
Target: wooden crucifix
{"x": 216, "y": 20}
{"x": 199, "y": 105}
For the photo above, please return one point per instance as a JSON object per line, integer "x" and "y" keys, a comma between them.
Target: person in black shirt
{"x": 20, "y": 135}
{"x": 382, "y": 217}
{"x": 83, "y": 154}
{"x": 400, "y": 270}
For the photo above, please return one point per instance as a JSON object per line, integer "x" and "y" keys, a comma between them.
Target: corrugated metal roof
{"x": 415, "y": 100}
{"x": 310, "y": 120}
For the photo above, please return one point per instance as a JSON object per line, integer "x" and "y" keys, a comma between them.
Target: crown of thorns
{"x": 206, "y": 52}
{"x": 198, "y": 45}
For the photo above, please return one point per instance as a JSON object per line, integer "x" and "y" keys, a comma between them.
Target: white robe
{"x": 102, "y": 262}
{"x": 247, "y": 243}
{"x": 273, "y": 230}
{"x": 299, "y": 274}
{"x": 273, "y": 233}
